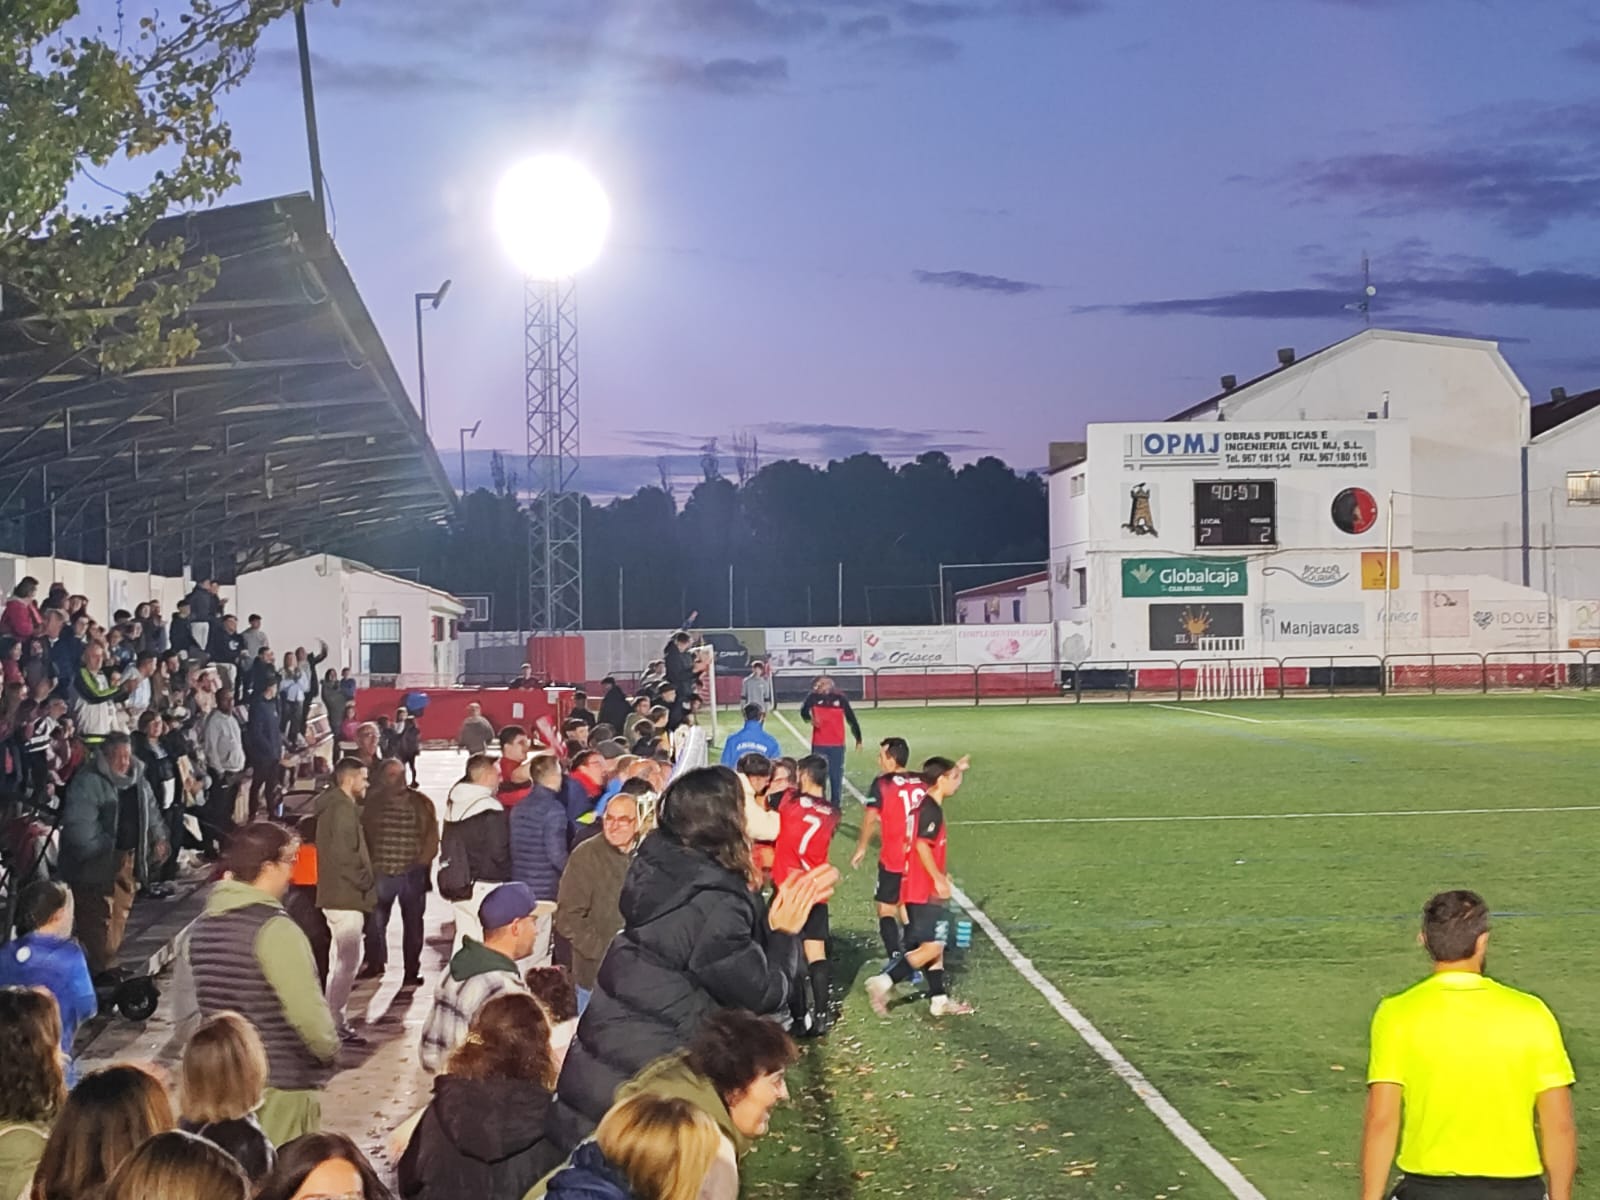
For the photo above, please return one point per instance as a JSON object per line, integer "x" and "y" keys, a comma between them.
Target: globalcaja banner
{"x": 824, "y": 646}
{"x": 984, "y": 645}
{"x": 908, "y": 646}
{"x": 1313, "y": 622}
{"x": 1184, "y": 577}
{"x": 1181, "y": 626}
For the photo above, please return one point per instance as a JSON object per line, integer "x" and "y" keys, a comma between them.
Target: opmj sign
{"x": 1159, "y": 448}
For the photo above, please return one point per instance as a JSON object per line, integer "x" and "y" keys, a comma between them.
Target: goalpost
{"x": 708, "y": 692}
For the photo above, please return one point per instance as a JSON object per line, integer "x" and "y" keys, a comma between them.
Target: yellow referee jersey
{"x": 1471, "y": 1054}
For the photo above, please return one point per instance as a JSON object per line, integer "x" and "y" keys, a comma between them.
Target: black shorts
{"x": 888, "y": 886}
{"x": 1468, "y": 1187}
{"x": 816, "y": 927}
{"x": 922, "y": 924}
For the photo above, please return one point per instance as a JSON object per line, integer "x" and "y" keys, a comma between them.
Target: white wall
{"x": 323, "y": 598}
{"x": 107, "y": 590}
{"x": 1468, "y": 415}
{"x": 1121, "y": 458}
{"x": 1565, "y": 537}
{"x": 300, "y": 603}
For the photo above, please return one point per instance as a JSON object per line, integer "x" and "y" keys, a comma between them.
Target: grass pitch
{"x": 1231, "y": 941}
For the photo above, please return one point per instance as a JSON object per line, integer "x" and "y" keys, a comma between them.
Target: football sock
{"x": 889, "y": 931}
{"x": 797, "y": 1001}
{"x": 935, "y": 981}
{"x": 821, "y": 993}
{"x": 900, "y": 970}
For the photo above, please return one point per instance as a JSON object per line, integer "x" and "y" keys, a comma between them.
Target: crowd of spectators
{"x": 125, "y": 744}
{"x": 611, "y": 1020}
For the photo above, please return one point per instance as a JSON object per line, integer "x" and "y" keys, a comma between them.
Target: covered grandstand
{"x": 289, "y": 431}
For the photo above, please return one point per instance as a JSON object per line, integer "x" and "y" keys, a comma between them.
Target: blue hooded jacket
{"x": 752, "y": 738}
{"x": 57, "y": 965}
{"x": 588, "y": 1177}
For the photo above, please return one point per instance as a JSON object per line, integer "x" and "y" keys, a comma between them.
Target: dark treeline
{"x": 785, "y": 532}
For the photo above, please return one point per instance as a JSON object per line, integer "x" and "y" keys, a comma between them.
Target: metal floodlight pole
{"x": 467, "y": 432}
{"x": 434, "y": 300}
{"x": 555, "y": 528}
{"x": 309, "y": 97}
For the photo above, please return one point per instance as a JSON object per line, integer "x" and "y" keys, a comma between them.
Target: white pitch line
{"x": 1295, "y": 816}
{"x": 1206, "y": 712}
{"x": 1175, "y": 1122}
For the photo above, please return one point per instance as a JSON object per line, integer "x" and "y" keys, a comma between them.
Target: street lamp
{"x": 434, "y": 300}
{"x": 465, "y": 434}
{"x": 552, "y": 217}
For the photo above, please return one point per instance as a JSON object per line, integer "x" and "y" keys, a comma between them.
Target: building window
{"x": 1075, "y": 485}
{"x": 1583, "y": 487}
{"x": 438, "y": 629}
{"x": 380, "y": 645}
{"x": 1081, "y": 576}
{"x": 1016, "y": 612}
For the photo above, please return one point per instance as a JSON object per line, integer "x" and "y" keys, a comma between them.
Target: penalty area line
{"x": 1206, "y": 712}
{"x": 1149, "y": 1095}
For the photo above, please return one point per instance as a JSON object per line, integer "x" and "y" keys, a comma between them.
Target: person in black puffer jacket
{"x": 695, "y": 939}
{"x": 482, "y": 1136}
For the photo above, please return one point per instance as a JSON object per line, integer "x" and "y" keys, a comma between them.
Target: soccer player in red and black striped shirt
{"x": 806, "y": 825}
{"x": 891, "y": 806}
{"x": 925, "y": 892}
{"x": 828, "y": 710}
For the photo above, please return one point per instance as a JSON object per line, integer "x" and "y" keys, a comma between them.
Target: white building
{"x": 1264, "y": 512}
{"x": 1022, "y": 600}
{"x": 378, "y": 625}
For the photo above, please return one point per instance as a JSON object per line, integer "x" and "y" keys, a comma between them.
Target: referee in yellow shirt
{"x": 1461, "y": 1066}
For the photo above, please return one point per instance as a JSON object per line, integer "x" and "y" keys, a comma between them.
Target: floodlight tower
{"x": 552, "y": 218}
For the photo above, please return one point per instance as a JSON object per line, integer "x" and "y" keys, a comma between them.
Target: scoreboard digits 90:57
{"x": 1235, "y": 512}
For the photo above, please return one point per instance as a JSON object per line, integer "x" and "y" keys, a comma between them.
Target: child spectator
{"x": 45, "y": 956}
{"x": 224, "y": 1075}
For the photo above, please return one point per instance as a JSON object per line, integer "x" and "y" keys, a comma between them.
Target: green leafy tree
{"x": 73, "y": 101}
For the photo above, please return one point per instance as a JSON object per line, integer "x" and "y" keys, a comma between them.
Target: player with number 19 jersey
{"x": 896, "y": 797}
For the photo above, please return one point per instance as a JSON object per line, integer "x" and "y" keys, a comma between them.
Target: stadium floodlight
{"x": 552, "y": 217}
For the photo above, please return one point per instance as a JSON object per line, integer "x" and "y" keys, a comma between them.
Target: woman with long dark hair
{"x": 322, "y": 1164}
{"x": 483, "y": 1134}
{"x": 696, "y": 938}
{"x": 107, "y": 1117}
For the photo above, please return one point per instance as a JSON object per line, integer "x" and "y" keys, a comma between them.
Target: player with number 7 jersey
{"x": 806, "y": 824}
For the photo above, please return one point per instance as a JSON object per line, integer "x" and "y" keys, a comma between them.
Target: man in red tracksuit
{"x": 829, "y": 710}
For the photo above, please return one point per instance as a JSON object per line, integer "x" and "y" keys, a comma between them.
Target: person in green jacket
{"x": 733, "y": 1071}
{"x": 246, "y": 954}
{"x": 112, "y": 840}
{"x": 347, "y": 889}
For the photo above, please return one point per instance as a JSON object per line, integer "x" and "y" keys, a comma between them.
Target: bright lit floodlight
{"x": 552, "y": 217}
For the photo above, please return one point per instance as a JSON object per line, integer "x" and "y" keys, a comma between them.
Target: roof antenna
{"x": 1364, "y": 305}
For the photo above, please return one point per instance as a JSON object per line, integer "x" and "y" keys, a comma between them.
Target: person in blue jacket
{"x": 750, "y": 738}
{"x": 45, "y": 956}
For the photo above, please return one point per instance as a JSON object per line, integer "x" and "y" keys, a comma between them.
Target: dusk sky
{"x": 974, "y": 225}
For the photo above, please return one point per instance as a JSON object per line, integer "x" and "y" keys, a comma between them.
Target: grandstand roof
{"x": 290, "y": 431}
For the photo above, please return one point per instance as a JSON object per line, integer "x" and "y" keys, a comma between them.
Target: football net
{"x": 706, "y": 657}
